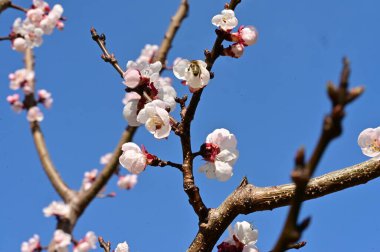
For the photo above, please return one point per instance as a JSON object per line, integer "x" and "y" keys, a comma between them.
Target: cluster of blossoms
{"x": 23, "y": 79}
{"x": 152, "y": 97}
{"x": 245, "y": 36}
{"x": 242, "y": 238}
{"x": 40, "y": 19}
{"x": 87, "y": 243}
{"x": 57, "y": 209}
{"x": 369, "y": 142}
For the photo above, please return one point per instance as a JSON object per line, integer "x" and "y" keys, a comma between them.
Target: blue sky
{"x": 273, "y": 99}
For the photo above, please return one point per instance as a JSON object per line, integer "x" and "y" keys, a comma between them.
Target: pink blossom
{"x": 88, "y": 179}
{"x": 220, "y": 153}
{"x": 61, "y": 241}
{"x": 16, "y": 104}
{"x": 31, "y": 245}
{"x": 127, "y": 181}
{"x": 242, "y": 238}
{"x": 45, "y": 98}
{"x": 141, "y": 73}
{"x": 20, "y": 78}
{"x": 58, "y": 209}
{"x": 246, "y": 35}
{"x": 235, "y": 50}
{"x": 131, "y": 108}
{"x": 34, "y": 114}
{"x": 19, "y": 44}
{"x": 87, "y": 243}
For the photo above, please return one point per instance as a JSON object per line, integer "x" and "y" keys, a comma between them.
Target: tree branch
{"x": 55, "y": 179}
{"x": 247, "y": 199}
{"x": 174, "y": 25}
{"x": 4, "y": 4}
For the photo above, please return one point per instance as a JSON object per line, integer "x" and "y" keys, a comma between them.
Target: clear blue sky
{"x": 273, "y": 99}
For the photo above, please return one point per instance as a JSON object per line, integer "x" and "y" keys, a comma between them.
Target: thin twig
{"x": 16, "y": 7}
{"x": 55, "y": 179}
{"x": 297, "y": 245}
{"x": 331, "y": 129}
{"x": 6, "y": 38}
{"x": 106, "y": 246}
{"x": 4, "y": 4}
{"x": 247, "y": 199}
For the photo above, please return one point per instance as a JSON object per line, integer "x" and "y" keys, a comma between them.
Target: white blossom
{"x": 61, "y": 241}
{"x": 130, "y": 110}
{"x": 242, "y": 238}
{"x": 31, "y": 245}
{"x": 226, "y": 20}
{"x": 369, "y": 142}
{"x": 147, "y": 53}
{"x": 56, "y": 208}
{"x": 194, "y": 72}
{"x": 141, "y": 73}
{"x": 133, "y": 159}
{"x": 122, "y": 247}
{"x": 50, "y": 21}
{"x": 34, "y": 114}
{"x": 156, "y": 119}
{"x": 166, "y": 92}
{"x": 127, "y": 181}
{"x": 87, "y": 243}
{"x": 106, "y": 158}
{"x": 220, "y": 153}
{"x": 88, "y": 179}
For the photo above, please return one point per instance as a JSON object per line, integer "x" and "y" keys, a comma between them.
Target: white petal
{"x": 223, "y": 171}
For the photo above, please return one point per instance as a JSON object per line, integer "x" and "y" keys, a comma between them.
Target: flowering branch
{"x": 55, "y": 179}
{"x": 174, "y": 25}
{"x": 332, "y": 128}
{"x": 247, "y": 199}
{"x": 189, "y": 186}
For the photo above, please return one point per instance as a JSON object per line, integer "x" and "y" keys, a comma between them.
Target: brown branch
{"x": 4, "y": 4}
{"x": 331, "y": 129}
{"x": 104, "y": 245}
{"x": 247, "y": 199}
{"x": 174, "y": 25}
{"x": 16, "y": 7}
{"x": 6, "y": 38}
{"x": 297, "y": 245}
{"x": 189, "y": 186}
{"x": 55, "y": 179}
{"x": 86, "y": 197}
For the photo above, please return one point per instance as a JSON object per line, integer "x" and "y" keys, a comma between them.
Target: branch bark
{"x": 247, "y": 199}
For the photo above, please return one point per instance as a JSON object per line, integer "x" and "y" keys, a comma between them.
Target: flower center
{"x": 209, "y": 151}
{"x": 158, "y": 123}
{"x": 375, "y": 146}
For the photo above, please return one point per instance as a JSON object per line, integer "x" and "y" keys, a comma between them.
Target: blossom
{"x": 141, "y": 73}
{"x": 106, "y": 158}
{"x": 242, "y": 238}
{"x": 61, "y": 241}
{"x": 156, "y": 119}
{"x": 148, "y": 53}
{"x": 31, "y": 35}
{"x": 220, "y": 153}
{"x": 246, "y": 35}
{"x": 194, "y": 73}
{"x": 19, "y": 44}
{"x": 87, "y": 243}
{"x": 369, "y": 142}
{"x": 122, "y": 247}
{"x": 235, "y": 50}
{"x": 226, "y": 20}
{"x": 31, "y": 245}
{"x": 133, "y": 159}
{"x": 34, "y": 114}
{"x": 88, "y": 179}
{"x": 127, "y": 181}
{"x": 131, "y": 108}
{"x": 45, "y": 98}
{"x": 166, "y": 92}
{"x": 20, "y": 79}
{"x": 51, "y": 20}
{"x": 14, "y": 101}
{"x": 58, "y": 209}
